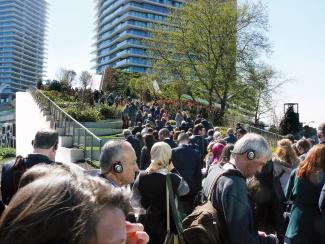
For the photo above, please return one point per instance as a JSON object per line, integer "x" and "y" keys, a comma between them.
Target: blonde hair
{"x": 161, "y": 154}
{"x": 286, "y": 153}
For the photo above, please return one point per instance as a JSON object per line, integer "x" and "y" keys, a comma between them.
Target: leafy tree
{"x": 290, "y": 122}
{"x": 55, "y": 86}
{"x": 308, "y": 131}
{"x": 208, "y": 45}
{"x": 109, "y": 79}
{"x": 39, "y": 84}
{"x": 115, "y": 80}
{"x": 264, "y": 83}
{"x": 274, "y": 129}
{"x": 143, "y": 86}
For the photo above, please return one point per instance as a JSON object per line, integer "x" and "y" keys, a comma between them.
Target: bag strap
{"x": 176, "y": 217}
{"x": 291, "y": 185}
{"x": 222, "y": 172}
{"x": 212, "y": 186}
{"x": 167, "y": 207}
{"x": 18, "y": 169}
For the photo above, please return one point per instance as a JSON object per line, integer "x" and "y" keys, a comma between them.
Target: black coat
{"x": 150, "y": 190}
{"x": 201, "y": 144}
{"x": 7, "y": 176}
{"x": 136, "y": 146}
{"x": 145, "y": 158}
{"x": 170, "y": 142}
{"x": 322, "y": 201}
{"x": 187, "y": 162}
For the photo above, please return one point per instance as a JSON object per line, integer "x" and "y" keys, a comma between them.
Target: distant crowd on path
{"x": 260, "y": 196}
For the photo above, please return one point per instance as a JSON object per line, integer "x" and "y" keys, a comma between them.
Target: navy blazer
{"x": 187, "y": 162}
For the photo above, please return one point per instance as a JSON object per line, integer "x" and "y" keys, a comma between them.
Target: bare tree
{"x": 85, "y": 79}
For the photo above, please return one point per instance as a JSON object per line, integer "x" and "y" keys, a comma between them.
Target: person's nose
{"x": 136, "y": 167}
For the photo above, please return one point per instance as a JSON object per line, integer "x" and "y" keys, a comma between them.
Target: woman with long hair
{"x": 284, "y": 160}
{"x": 149, "y": 191}
{"x": 306, "y": 224}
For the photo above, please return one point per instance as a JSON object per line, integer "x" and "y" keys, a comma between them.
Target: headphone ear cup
{"x": 118, "y": 168}
{"x": 251, "y": 155}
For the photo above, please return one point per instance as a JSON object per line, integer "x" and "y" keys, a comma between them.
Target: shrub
{"x": 7, "y": 152}
{"x": 108, "y": 112}
{"x": 39, "y": 84}
{"x": 84, "y": 115}
{"x": 55, "y": 86}
{"x": 172, "y": 122}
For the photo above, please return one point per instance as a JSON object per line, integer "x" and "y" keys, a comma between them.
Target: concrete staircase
{"x": 105, "y": 130}
{"x": 30, "y": 118}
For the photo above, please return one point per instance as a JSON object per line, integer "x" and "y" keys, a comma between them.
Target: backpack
{"x": 203, "y": 224}
{"x": 11, "y": 177}
{"x": 18, "y": 170}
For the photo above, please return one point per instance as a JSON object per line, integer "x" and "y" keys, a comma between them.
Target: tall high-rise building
{"x": 22, "y": 45}
{"x": 122, "y": 25}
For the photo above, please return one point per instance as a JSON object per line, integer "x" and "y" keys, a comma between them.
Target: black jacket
{"x": 136, "y": 146}
{"x": 322, "y": 201}
{"x": 231, "y": 200}
{"x": 149, "y": 190}
{"x": 187, "y": 162}
{"x": 7, "y": 177}
{"x": 201, "y": 143}
{"x": 145, "y": 158}
{"x": 170, "y": 142}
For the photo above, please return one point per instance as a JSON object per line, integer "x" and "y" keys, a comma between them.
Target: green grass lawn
{"x": 7, "y": 153}
{"x": 116, "y": 136}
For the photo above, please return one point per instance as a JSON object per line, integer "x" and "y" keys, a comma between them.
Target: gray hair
{"x": 109, "y": 152}
{"x": 254, "y": 142}
{"x": 217, "y": 135}
{"x": 126, "y": 133}
{"x": 183, "y": 137}
{"x": 163, "y": 133}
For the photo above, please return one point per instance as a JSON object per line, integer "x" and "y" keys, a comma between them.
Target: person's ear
{"x": 55, "y": 147}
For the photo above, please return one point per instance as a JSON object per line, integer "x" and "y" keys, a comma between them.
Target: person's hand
{"x": 262, "y": 234}
{"x": 136, "y": 234}
{"x": 275, "y": 238}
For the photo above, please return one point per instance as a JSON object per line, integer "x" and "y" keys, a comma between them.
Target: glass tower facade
{"x": 122, "y": 25}
{"x": 22, "y": 44}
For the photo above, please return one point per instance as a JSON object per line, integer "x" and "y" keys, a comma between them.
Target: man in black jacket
{"x": 45, "y": 146}
{"x": 230, "y": 196}
{"x": 187, "y": 162}
{"x": 198, "y": 141}
{"x": 164, "y": 136}
{"x": 134, "y": 142}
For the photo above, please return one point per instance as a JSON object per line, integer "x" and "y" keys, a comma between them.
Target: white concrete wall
{"x": 29, "y": 120}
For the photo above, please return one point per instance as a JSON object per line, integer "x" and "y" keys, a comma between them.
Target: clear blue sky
{"x": 296, "y": 33}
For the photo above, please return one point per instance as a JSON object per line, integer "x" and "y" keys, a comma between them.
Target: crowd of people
{"x": 261, "y": 196}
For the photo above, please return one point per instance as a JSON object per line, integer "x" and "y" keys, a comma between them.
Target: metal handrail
{"x": 63, "y": 120}
{"x": 271, "y": 137}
